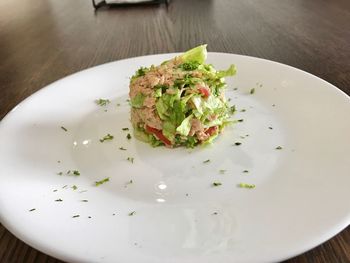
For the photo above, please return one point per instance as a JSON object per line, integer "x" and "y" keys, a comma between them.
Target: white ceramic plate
{"x": 301, "y": 197}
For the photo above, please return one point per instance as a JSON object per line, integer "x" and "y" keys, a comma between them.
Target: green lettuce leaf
{"x": 168, "y": 106}
{"x": 141, "y": 135}
{"x": 210, "y": 139}
{"x": 158, "y": 93}
{"x": 162, "y": 108}
{"x": 178, "y": 113}
{"x": 137, "y": 101}
{"x": 213, "y": 103}
{"x": 186, "y": 98}
{"x": 198, "y": 54}
{"x": 169, "y": 130}
{"x": 231, "y": 71}
{"x": 185, "y": 126}
{"x": 217, "y": 122}
{"x": 197, "y": 101}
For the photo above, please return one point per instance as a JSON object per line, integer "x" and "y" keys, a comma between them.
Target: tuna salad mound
{"x": 180, "y": 102}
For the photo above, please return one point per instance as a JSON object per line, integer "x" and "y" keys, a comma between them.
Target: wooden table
{"x": 42, "y": 41}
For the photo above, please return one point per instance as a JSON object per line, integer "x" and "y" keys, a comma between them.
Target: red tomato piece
{"x": 158, "y": 134}
{"x": 205, "y": 92}
{"x": 210, "y": 131}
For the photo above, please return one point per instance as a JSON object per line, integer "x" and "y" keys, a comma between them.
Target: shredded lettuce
{"x": 162, "y": 108}
{"x": 213, "y": 103}
{"x": 195, "y": 93}
{"x": 197, "y": 102}
{"x": 217, "y": 122}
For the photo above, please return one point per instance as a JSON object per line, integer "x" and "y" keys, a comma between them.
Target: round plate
{"x": 160, "y": 205}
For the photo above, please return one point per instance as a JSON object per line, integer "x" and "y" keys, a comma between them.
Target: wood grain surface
{"x": 44, "y": 40}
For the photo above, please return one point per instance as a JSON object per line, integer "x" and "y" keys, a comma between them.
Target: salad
{"x": 180, "y": 102}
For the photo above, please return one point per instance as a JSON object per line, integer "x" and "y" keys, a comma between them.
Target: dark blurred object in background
{"x": 127, "y": 2}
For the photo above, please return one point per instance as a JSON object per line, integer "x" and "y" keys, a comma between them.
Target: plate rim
{"x": 41, "y": 246}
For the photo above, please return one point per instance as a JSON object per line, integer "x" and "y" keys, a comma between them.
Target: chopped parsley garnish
{"x": 125, "y": 129}
{"x": 240, "y": 120}
{"x": 102, "y": 181}
{"x": 54, "y": 190}
{"x": 108, "y": 137}
{"x": 33, "y": 209}
{"x": 128, "y": 136}
{"x": 217, "y": 184}
{"x": 238, "y": 143}
{"x": 278, "y": 148}
{"x": 69, "y": 172}
{"x": 102, "y": 102}
{"x": 248, "y": 186}
{"x": 188, "y": 66}
{"x": 222, "y": 171}
{"x": 74, "y": 187}
{"x": 63, "y": 128}
{"x": 252, "y": 91}
{"x": 245, "y": 171}
{"x": 243, "y": 110}
{"x": 65, "y": 186}
{"x": 130, "y": 159}
{"x": 233, "y": 109}
{"x": 122, "y": 149}
{"x": 75, "y": 216}
{"x": 206, "y": 161}
{"x": 132, "y": 213}
{"x": 141, "y": 72}
{"x": 58, "y": 200}
{"x": 130, "y": 182}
